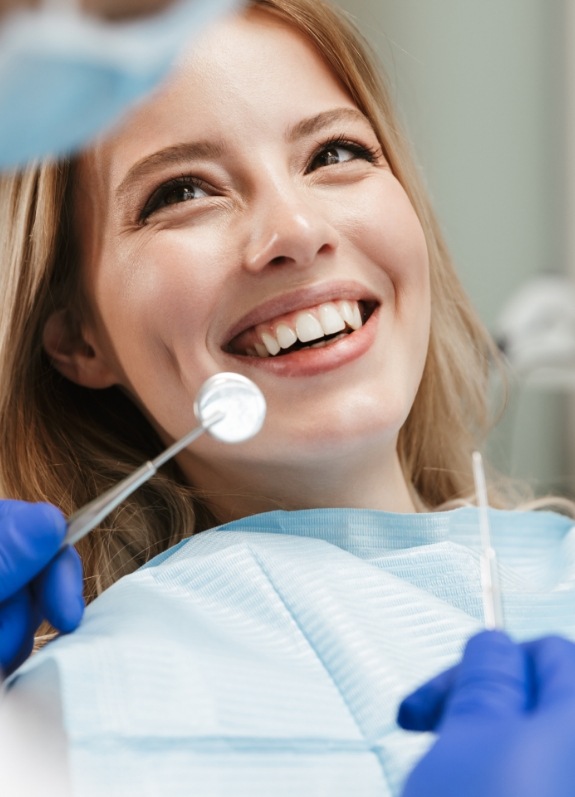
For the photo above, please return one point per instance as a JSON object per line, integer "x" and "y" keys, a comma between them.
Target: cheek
{"x": 385, "y": 228}
{"x": 393, "y": 240}
{"x": 158, "y": 287}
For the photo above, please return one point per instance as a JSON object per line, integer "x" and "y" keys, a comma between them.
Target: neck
{"x": 369, "y": 483}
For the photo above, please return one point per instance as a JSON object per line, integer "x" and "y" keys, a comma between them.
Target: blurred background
{"x": 485, "y": 91}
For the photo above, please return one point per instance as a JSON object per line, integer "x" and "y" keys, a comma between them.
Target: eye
{"x": 339, "y": 151}
{"x": 173, "y": 192}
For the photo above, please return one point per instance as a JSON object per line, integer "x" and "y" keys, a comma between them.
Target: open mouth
{"x": 314, "y": 327}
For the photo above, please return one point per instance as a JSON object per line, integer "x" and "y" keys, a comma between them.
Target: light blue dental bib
{"x": 268, "y": 656}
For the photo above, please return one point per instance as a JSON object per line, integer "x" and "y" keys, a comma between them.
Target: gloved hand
{"x": 505, "y": 718}
{"x": 36, "y": 582}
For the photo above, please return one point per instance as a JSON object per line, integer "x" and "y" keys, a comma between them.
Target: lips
{"x": 310, "y": 327}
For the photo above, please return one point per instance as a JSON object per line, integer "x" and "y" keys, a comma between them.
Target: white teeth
{"x": 357, "y": 321}
{"x": 346, "y": 310}
{"x": 270, "y": 343}
{"x": 261, "y": 350}
{"x": 330, "y": 319}
{"x": 285, "y": 335}
{"x": 308, "y": 327}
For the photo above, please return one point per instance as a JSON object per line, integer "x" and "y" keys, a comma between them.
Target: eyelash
{"x": 361, "y": 151}
{"x": 159, "y": 195}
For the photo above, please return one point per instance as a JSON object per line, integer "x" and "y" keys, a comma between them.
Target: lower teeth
{"x": 321, "y": 343}
{"x": 318, "y": 344}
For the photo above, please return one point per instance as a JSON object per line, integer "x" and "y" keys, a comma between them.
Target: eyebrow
{"x": 186, "y": 152}
{"x": 313, "y": 124}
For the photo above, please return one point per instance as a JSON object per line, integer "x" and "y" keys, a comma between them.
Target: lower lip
{"x": 309, "y": 362}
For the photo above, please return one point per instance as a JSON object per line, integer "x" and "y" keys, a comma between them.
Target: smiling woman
{"x": 259, "y": 214}
{"x": 261, "y": 233}
{"x": 231, "y": 225}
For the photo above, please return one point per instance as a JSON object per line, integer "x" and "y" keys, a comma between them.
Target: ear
{"x": 72, "y": 355}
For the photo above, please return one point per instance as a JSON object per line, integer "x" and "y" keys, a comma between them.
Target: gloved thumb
{"x": 422, "y": 709}
{"x": 494, "y": 680}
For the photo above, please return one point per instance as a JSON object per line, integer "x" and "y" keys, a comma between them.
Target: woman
{"x": 274, "y": 227}
{"x": 61, "y": 422}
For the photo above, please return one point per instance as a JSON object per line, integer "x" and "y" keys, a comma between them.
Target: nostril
{"x": 280, "y": 260}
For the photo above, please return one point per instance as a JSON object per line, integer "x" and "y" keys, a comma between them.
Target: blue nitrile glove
{"x": 36, "y": 582}
{"x": 505, "y": 718}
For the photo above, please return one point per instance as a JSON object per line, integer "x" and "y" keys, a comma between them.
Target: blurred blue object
{"x": 65, "y": 76}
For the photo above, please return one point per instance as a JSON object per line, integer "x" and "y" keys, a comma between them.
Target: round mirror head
{"x": 238, "y": 399}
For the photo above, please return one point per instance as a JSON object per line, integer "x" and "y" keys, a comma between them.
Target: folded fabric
{"x": 269, "y": 656}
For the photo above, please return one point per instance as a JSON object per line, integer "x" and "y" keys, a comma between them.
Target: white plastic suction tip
{"x": 240, "y": 401}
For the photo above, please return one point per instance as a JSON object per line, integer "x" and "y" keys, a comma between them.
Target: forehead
{"x": 250, "y": 74}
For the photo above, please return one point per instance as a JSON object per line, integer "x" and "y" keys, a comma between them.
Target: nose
{"x": 288, "y": 228}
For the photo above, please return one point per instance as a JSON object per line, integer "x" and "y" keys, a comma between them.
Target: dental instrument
{"x": 490, "y": 587}
{"x": 228, "y": 406}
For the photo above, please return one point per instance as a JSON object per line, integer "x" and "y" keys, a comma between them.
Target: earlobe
{"x": 72, "y": 355}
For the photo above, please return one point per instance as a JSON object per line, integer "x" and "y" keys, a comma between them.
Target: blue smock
{"x": 268, "y": 656}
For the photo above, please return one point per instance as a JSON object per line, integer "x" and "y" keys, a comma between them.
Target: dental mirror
{"x": 228, "y": 406}
{"x": 240, "y": 403}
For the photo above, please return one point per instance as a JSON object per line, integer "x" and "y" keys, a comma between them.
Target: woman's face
{"x": 246, "y": 220}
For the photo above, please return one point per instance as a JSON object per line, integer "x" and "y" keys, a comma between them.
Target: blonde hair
{"x": 66, "y": 444}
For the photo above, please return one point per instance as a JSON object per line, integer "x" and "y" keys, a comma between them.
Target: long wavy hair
{"x": 66, "y": 444}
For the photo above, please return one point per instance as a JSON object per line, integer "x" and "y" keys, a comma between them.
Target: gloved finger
{"x": 422, "y": 709}
{"x": 553, "y": 660}
{"x": 30, "y": 535}
{"x": 494, "y": 680}
{"x": 59, "y": 591}
{"x": 17, "y": 626}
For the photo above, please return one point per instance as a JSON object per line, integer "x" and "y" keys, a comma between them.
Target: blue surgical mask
{"x": 65, "y": 76}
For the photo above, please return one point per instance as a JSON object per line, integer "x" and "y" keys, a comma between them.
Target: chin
{"x": 323, "y": 443}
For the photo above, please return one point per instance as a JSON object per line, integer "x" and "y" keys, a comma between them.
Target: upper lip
{"x": 298, "y": 300}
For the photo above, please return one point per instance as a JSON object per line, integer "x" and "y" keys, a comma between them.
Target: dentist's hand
{"x": 36, "y": 582}
{"x": 505, "y": 718}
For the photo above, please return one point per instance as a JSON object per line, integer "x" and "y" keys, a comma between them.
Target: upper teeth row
{"x": 326, "y": 319}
